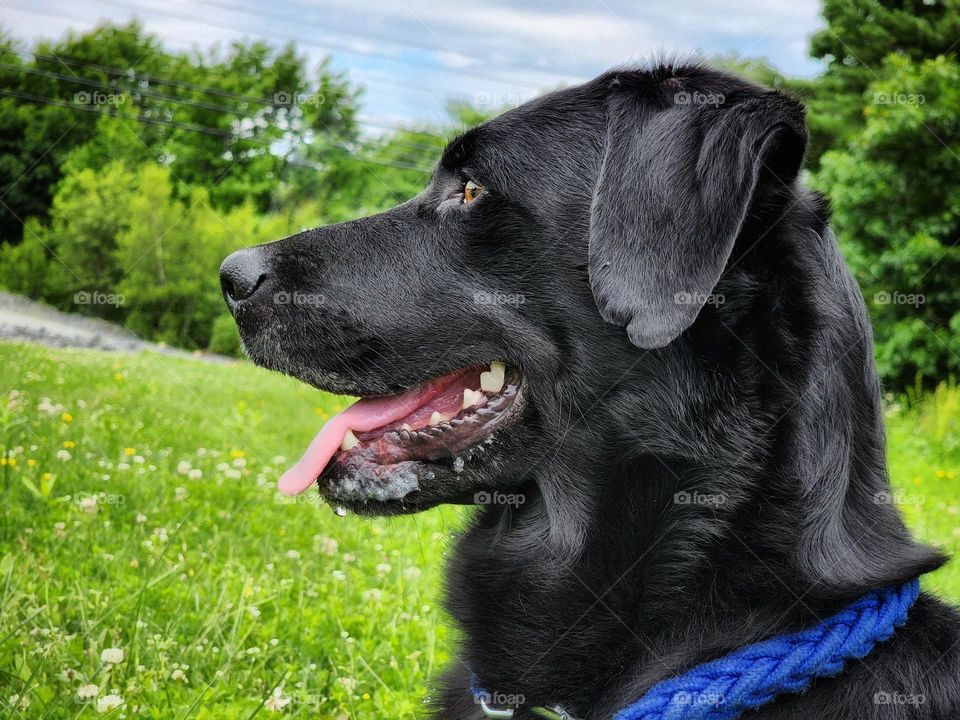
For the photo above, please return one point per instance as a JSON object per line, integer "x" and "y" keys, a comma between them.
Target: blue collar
{"x": 754, "y": 675}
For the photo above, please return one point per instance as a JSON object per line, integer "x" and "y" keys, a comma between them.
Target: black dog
{"x": 679, "y": 447}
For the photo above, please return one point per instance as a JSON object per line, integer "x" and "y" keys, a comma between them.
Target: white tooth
{"x": 471, "y": 397}
{"x": 436, "y": 418}
{"x": 349, "y": 441}
{"x": 491, "y": 380}
{"x": 406, "y": 426}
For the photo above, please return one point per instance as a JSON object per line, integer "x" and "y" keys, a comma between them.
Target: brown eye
{"x": 471, "y": 191}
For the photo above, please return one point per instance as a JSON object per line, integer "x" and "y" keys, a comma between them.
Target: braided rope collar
{"x": 725, "y": 688}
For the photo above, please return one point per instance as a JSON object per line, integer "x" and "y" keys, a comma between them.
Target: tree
{"x": 858, "y": 36}
{"x": 895, "y": 190}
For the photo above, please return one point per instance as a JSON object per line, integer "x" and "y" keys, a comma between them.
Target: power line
{"x": 188, "y": 127}
{"x": 326, "y": 44}
{"x": 150, "y": 77}
{"x": 175, "y": 100}
{"x": 312, "y": 20}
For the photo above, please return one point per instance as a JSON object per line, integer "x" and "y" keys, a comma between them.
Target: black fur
{"x": 701, "y": 472}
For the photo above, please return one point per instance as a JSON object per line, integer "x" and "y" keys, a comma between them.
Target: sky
{"x": 413, "y": 56}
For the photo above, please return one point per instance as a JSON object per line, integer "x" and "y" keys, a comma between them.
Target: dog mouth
{"x": 385, "y": 447}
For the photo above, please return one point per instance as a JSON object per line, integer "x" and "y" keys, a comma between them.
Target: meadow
{"x": 148, "y": 568}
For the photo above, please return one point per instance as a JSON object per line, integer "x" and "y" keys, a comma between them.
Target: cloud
{"x": 415, "y": 55}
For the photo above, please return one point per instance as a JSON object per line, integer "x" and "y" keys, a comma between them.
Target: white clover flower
{"x": 141, "y": 518}
{"x": 183, "y": 467}
{"x": 63, "y": 455}
{"x": 293, "y": 554}
{"x": 195, "y": 474}
{"x": 88, "y": 504}
{"x": 254, "y": 611}
{"x": 412, "y": 572}
{"x": 108, "y": 703}
{"x": 85, "y": 692}
{"x": 180, "y": 494}
{"x": 339, "y": 575}
{"x": 178, "y": 674}
{"x": 383, "y": 568}
{"x": 112, "y": 655}
{"x": 329, "y": 546}
{"x": 277, "y": 701}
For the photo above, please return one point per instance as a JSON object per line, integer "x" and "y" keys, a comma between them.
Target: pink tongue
{"x": 363, "y": 415}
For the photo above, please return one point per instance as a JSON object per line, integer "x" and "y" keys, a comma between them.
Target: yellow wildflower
{"x": 237, "y": 453}
{"x": 129, "y": 452}
{"x": 67, "y": 417}
{"x": 68, "y": 444}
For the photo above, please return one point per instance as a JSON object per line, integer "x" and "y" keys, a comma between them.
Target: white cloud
{"x": 414, "y": 55}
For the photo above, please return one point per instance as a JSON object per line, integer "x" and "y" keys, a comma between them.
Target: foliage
{"x": 895, "y": 190}
{"x": 858, "y": 37}
{"x": 216, "y": 119}
{"x": 141, "y": 514}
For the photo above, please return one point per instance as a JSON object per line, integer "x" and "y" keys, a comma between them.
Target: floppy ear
{"x": 674, "y": 189}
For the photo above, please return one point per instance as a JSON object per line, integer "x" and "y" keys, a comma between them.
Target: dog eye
{"x": 471, "y": 191}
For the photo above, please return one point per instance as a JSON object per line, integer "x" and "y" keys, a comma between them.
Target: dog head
{"x": 554, "y": 247}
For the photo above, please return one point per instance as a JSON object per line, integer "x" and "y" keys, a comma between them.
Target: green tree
{"x": 895, "y": 190}
{"x": 858, "y": 36}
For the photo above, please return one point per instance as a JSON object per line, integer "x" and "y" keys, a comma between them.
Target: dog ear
{"x": 674, "y": 189}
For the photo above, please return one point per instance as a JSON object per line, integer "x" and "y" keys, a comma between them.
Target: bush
{"x": 224, "y": 338}
{"x": 895, "y": 192}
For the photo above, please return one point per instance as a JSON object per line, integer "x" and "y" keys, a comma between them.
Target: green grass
{"x": 216, "y": 592}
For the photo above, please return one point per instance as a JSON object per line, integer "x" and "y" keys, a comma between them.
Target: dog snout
{"x": 242, "y": 274}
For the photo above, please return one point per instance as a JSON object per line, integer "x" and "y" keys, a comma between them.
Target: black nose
{"x": 242, "y": 274}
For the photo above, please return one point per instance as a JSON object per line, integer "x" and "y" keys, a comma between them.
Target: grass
{"x": 216, "y": 593}
{"x": 140, "y": 517}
